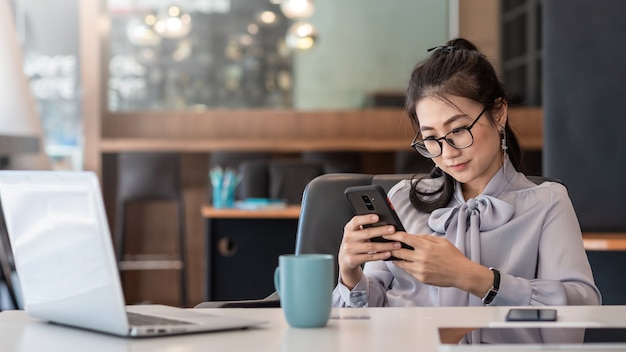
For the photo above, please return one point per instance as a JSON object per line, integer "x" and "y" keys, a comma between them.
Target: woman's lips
{"x": 459, "y": 167}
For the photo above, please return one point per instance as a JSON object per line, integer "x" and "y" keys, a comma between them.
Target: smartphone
{"x": 372, "y": 199}
{"x": 530, "y": 314}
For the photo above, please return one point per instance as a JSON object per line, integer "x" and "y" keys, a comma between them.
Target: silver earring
{"x": 504, "y": 148}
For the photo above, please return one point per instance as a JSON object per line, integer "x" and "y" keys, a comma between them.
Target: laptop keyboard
{"x": 140, "y": 319}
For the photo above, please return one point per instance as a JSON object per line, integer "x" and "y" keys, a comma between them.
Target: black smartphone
{"x": 531, "y": 314}
{"x": 372, "y": 199}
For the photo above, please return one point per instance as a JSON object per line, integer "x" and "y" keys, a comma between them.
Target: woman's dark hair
{"x": 457, "y": 69}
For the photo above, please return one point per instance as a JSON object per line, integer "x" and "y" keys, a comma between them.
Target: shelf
{"x": 116, "y": 145}
{"x": 288, "y": 212}
{"x": 282, "y": 131}
{"x": 604, "y": 241}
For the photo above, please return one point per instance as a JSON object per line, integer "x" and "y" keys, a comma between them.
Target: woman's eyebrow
{"x": 449, "y": 121}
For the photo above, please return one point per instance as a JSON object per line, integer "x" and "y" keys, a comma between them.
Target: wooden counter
{"x": 604, "y": 241}
{"x": 288, "y": 212}
{"x": 198, "y": 145}
{"x": 281, "y": 131}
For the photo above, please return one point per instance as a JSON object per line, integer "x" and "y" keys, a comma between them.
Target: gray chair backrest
{"x": 325, "y": 210}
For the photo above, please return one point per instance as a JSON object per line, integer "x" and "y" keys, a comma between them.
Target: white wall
{"x": 365, "y": 46}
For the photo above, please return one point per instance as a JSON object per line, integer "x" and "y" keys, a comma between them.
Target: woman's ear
{"x": 501, "y": 112}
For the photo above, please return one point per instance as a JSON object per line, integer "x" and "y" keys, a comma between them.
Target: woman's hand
{"x": 436, "y": 261}
{"x": 356, "y": 247}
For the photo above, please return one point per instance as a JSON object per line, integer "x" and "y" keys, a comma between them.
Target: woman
{"x": 482, "y": 233}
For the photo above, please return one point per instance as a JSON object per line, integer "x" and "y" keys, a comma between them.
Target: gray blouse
{"x": 529, "y": 232}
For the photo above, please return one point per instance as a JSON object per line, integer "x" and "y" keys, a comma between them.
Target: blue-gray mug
{"x": 305, "y": 283}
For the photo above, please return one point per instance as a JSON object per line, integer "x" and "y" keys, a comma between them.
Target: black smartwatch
{"x": 493, "y": 291}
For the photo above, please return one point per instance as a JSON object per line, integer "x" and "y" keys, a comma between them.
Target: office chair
{"x": 145, "y": 177}
{"x": 323, "y": 215}
{"x": 410, "y": 162}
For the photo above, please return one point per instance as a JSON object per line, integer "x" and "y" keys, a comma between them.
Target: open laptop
{"x": 65, "y": 261}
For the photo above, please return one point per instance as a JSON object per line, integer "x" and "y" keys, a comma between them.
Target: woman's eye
{"x": 458, "y": 130}
{"x": 430, "y": 138}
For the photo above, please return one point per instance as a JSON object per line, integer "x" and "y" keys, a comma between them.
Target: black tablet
{"x": 518, "y": 335}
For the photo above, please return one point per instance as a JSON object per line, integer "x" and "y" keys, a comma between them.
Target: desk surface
{"x": 387, "y": 329}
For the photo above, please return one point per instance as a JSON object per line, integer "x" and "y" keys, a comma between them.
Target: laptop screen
{"x": 62, "y": 247}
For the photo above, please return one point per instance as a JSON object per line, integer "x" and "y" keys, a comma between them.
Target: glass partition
{"x": 198, "y": 55}
{"x": 213, "y": 54}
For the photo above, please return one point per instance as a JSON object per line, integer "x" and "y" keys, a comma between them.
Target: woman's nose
{"x": 448, "y": 151}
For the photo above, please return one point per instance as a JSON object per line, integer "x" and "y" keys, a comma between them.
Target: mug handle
{"x": 277, "y": 279}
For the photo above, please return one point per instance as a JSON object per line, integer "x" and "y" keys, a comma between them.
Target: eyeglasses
{"x": 459, "y": 138}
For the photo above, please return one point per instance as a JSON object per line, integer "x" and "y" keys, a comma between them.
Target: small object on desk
{"x": 353, "y": 314}
{"x": 224, "y": 182}
{"x": 529, "y": 314}
{"x": 260, "y": 203}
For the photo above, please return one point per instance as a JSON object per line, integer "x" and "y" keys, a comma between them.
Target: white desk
{"x": 388, "y": 329}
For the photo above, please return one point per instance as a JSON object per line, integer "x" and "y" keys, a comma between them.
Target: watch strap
{"x": 493, "y": 291}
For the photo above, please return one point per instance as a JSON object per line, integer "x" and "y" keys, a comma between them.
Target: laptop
{"x": 66, "y": 265}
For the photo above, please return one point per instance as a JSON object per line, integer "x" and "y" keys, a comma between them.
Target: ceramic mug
{"x": 305, "y": 283}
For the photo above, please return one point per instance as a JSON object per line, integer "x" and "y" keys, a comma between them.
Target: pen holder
{"x": 223, "y": 197}
{"x": 224, "y": 182}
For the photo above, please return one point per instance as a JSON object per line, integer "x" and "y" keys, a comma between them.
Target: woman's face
{"x": 475, "y": 165}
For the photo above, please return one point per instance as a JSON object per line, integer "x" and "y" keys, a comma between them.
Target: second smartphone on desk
{"x": 372, "y": 199}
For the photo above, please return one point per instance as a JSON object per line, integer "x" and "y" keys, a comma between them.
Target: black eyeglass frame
{"x": 415, "y": 144}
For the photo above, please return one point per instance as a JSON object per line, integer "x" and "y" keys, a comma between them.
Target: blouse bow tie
{"x": 462, "y": 226}
{"x": 484, "y": 212}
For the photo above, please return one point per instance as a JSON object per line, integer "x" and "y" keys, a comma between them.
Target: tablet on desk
{"x": 517, "y": 337}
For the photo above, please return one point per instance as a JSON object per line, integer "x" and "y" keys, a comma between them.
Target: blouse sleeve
{"x": 563, "y": 275}
{"x": 374, "y": 283}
